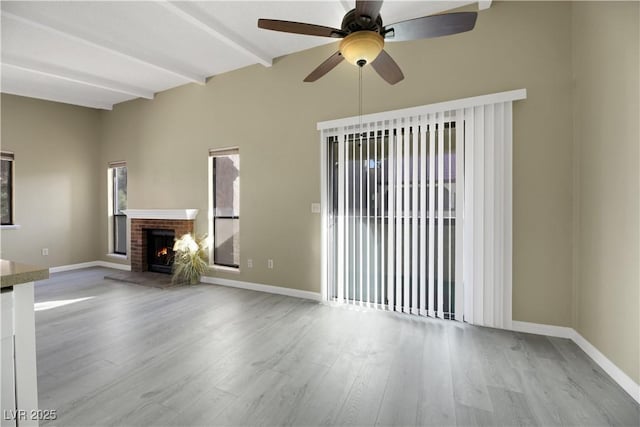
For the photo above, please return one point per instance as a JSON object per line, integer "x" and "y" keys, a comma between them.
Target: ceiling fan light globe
{"x": 361, "y": 46}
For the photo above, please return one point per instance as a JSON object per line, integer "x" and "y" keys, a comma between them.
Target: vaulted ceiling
{"x": 99, "y": 53}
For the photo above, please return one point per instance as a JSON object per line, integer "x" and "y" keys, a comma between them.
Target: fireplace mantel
{"x": 161, "y": 213}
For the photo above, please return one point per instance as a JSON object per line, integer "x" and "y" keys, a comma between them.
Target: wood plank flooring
{"x": 208, "y": 355}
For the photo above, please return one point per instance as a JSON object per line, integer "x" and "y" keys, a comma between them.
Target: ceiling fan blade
{"x": 299, "y": 28}
{"x": 368, "y": 8}
{"x": 328, "y": 65}
{"x": 431, "y": 26}
{"x": 387, "y": 68}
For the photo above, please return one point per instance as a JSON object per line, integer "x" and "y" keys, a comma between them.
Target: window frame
{"x": 113, "y": 208}
{"x": 213, "y": 154}
{"x": 9, "y": 157}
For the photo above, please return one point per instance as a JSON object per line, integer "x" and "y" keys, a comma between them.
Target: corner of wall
{"x": 605, "y": 273}
{"x": 575, "y": 190}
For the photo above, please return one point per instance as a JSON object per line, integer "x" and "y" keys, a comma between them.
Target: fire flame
{"x": 163, "y": 251}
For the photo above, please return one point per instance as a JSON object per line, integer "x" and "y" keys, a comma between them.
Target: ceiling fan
{"x": 363, "y": 36}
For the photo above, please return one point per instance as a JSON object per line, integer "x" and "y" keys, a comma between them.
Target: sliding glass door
{"x": 392, "y": 217}
{"x": 416, "y": 209}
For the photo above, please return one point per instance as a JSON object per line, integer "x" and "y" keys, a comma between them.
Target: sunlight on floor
{"x": 47, "y": 305}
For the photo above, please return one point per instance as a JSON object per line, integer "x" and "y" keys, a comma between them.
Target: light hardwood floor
{"x": 209, "y": 355}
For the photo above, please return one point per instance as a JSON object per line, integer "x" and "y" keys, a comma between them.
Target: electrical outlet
{"x": 269, "y": 263}
{"x": 45, "y": 251}
{"x": 250, "y": 263}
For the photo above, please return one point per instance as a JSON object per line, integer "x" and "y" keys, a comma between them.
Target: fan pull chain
{"x": 361, "y": 133}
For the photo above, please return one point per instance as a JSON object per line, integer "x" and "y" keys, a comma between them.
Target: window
{"x": 225, "y": 206}
{"x": 6, "y": 187}
{"x": 118, "y": 176}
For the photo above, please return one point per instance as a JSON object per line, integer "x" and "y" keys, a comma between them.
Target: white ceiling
{"x": 99, "y": 53}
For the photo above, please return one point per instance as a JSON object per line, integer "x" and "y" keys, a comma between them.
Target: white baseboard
{"x": 70, "y": 267}
{"x": 617, "y": 374}
{"x": 89, "y": 264}
{"x": 315, "y": 296}
{"x": 623, "y": 380}
{"x": 541, "y": 329}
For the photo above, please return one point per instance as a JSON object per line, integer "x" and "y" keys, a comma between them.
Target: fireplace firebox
{"x": 160, "y": 250}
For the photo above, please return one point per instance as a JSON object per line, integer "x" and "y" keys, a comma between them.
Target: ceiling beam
{"x": 211, "y": 26}
{"x": 63, "y": 98}
{"x": 484, "y": 4}
{"x": 97, "y": 42}
{"x": 74, "y": 76}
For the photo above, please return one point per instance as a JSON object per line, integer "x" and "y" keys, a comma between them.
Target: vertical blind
{"x": 416, "y": 210}
{"x": 393, "y": 215}
{"x": 487, "y": 234}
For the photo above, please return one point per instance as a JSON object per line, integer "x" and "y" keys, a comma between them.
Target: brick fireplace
{"x": 180, "y": 221}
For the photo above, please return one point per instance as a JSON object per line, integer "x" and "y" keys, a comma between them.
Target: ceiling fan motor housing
{"x": 353, "y": 22}
{"x": 364, "y": 41}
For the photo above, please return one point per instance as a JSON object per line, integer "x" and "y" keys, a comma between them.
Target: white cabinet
{"x": 7, "y": 390}
{"x": 18, "y": 373}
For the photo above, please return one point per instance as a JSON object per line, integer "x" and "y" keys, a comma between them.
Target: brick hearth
{"x": 139, "y": 229}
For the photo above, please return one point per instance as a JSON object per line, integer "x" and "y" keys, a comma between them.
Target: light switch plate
{"x": 315, "y": 207}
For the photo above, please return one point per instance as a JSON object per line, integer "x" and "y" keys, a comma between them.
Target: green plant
{"x": 190, "y": 259}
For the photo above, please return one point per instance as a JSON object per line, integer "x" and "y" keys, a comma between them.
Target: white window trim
{"x": 10, "y": 227}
